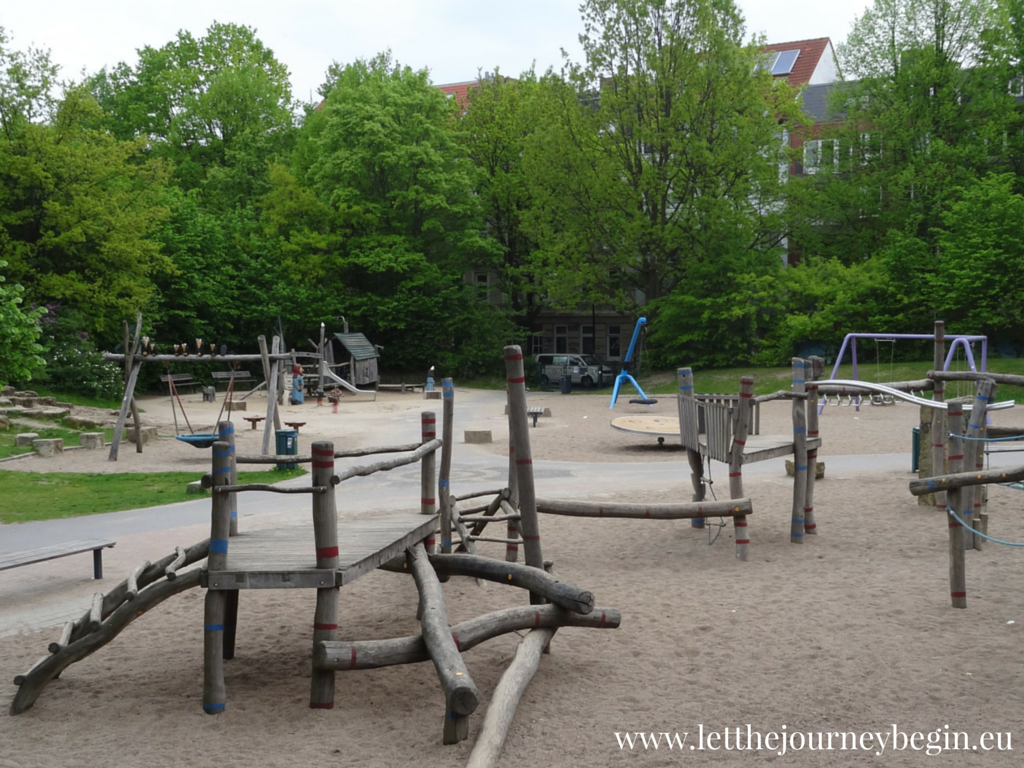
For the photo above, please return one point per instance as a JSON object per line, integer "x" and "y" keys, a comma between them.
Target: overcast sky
{"x": 452, "y": 38}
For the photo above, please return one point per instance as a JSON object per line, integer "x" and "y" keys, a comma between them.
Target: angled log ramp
{"x": 34, "y": 682}
{"x": 494, "y": 730}
{"x": 113, "y": 598}
{"x": 373, "y": 654}
{"x": 460, "y": 692}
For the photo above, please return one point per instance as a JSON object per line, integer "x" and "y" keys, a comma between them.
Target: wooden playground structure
{"x": 326, "y": 553}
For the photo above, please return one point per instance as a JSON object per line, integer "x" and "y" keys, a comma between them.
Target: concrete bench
{"x": 15, "y": 559}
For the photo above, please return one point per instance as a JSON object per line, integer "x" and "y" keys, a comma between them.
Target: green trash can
{"x": 915, "y": 454}
{"x": 287, "y": 445}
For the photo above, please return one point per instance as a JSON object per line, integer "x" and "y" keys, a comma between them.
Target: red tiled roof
{"x": 459, "y": 91}
{"x": 810, "y": 54}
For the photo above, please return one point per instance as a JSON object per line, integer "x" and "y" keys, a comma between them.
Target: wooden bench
{"x": 180, "y": 380}
{"x": 15, "y": 559}
{"x": 535, "y": 411}
{"x": 225, "y": 377}
{"x": 400, "y": 387}
{"x": 254, "y": 420}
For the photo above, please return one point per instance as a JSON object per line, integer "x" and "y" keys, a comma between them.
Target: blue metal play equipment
{"x": 624, "y": 373}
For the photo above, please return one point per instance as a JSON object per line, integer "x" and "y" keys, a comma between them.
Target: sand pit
{"x": 851, "y": 631}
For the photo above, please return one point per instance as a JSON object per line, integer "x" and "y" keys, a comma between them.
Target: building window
{"x": 561, "y": 339}
{"x": 481, "y": 279}
{"x": 614, "y": 342}
{"x": 537, "y": 343}
{"x": 587, "y": 339}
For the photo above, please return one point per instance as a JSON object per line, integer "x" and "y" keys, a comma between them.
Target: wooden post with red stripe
{"x": 445, "y": 472}
{"x": 214, "y": 691}
{"x": 957, "y": 569}
{"x": 512, "y": 532}
{"x": 739, "y": 441}
{"x": 325, "y": 536}
{"x": 811, "y": 373}
{"x": 687, "y": 425}
{"x": 796, "y": 532}
{"x": 428, "y": 473}
{"x": 520, "y": 433}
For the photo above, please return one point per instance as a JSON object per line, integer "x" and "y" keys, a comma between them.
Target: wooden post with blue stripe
{"x": 445, "y": 472}
{"x": 739, "y": 442}
{"x": 974, "y": 457}
{"x": 938, "y": 422}
{"x": 519, "y": 430}
{"x": 796, "y": 533}
{"x": 214, "y": 692}
{"x": 812, "y": 370}
{"x": 226, "y": 434}
{"x": 686, "y": 406}
{"x": 952, "y": 497}
{"x": 325, "y": 536}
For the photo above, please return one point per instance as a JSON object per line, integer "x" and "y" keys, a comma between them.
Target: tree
{"x": 920, "y": 124}
{"x": 387, "y": 173}
{"x": 668, "y": 156}
{"x": 19, "y": 350}
{"x": 502, "y": 117}
{"x": 77, "y": 206}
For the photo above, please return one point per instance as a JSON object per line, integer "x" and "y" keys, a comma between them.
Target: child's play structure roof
{"x": 358, "y": 346}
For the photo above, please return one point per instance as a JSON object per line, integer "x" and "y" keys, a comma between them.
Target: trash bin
{"x": 287, "y": 445}
{"x": 915, "y": 454}
{"x": 566, "y": 385}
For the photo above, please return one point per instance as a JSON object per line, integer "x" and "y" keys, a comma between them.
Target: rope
{"x": 721, "y": 521}
{"x": 956, "y": 517}
{"x": 987, "y": 439}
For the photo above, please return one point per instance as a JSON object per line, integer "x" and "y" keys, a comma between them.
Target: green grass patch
{"x": 32, "y": 496}
{"x": 81, "y": 400}
{"x": 60, "y": 429}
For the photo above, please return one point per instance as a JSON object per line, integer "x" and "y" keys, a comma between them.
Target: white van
{"x": 585, "y": 370}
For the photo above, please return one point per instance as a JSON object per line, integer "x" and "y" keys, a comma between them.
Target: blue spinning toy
{"x": 624, "y": 374}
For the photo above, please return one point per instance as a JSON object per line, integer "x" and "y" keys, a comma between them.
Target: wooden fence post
{"x": 325, "y": 534}
{"x": 520, "y": 432}
{"x": 796, "y": 534}
{"x": 957, "y": 570}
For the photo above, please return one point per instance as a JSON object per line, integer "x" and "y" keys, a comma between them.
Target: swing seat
{"x": 199, "y": 439}
{"x": 643, "y": 401}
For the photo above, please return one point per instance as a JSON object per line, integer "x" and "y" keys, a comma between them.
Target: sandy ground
{"x": 849, "y": 632}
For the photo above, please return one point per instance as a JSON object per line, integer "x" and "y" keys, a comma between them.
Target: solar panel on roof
{"x": 784, "y": 62}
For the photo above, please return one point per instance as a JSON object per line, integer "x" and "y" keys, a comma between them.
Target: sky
{"x": 454, "y": 39}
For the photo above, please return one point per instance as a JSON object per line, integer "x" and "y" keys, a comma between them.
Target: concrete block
{"x": 148, "y": 434}
{"x": 478, "y": 436}
{"x": 25, "y": 438}
{"x": 92, "y": 441}
{"x": 196, "y": 487}
{"x": 236, "y": 405}
{"x": 47, "y": 448}
{"x": 819, "y": 469}
{"x": 434, "y": 394}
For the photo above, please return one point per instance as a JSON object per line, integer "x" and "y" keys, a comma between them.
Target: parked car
{"x": 585, "y": 370}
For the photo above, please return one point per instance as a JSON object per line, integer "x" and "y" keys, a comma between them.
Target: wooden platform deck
{"x": 758, "y": 447}
{"x": 285, "y": 558}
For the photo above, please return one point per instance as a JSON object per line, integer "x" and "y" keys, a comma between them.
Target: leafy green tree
{"x": 19, "y": 349}
{"x": 386, "y": 168}
{"x": 502, "y": 117}
{"x": 666, "y": 159}
{"x": 977, "y": 285}
{"x": 77, "y": 206}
